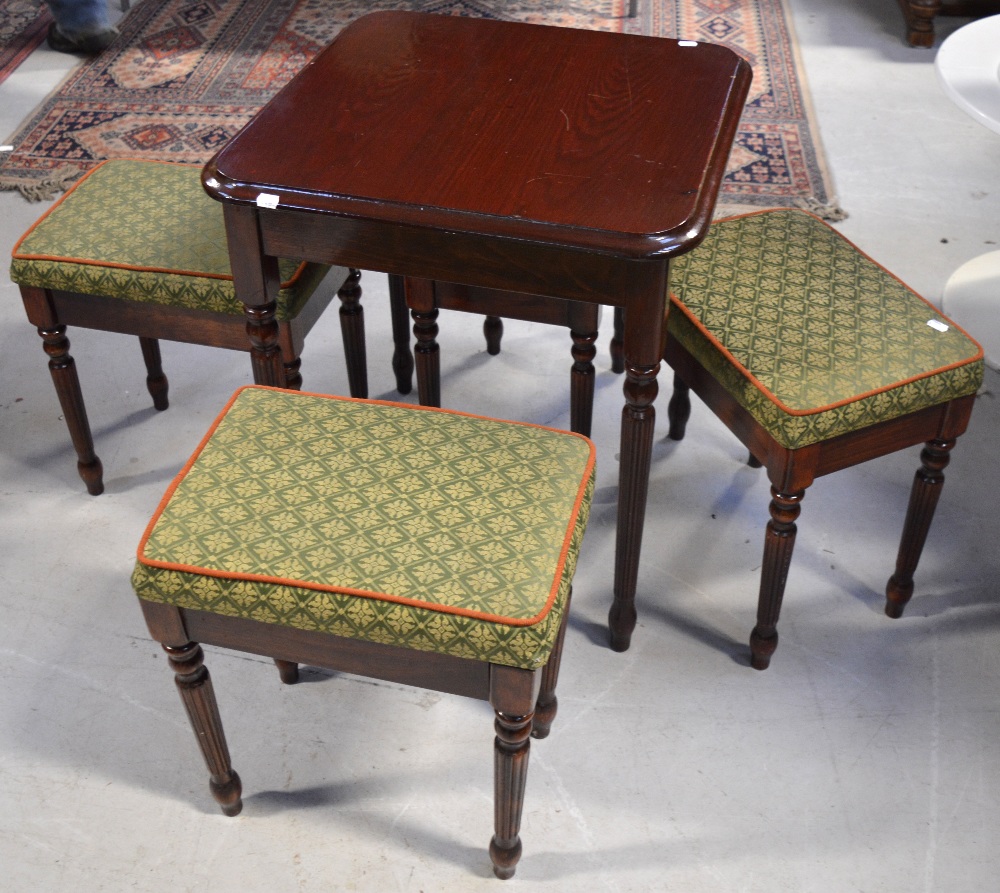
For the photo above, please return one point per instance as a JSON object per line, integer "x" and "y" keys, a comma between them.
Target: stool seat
{"x": 812, "y": 337}
{"x": 429, "y": 530}
{"x": 818, "y": 359}
{"x": 145, "y": 231}
{"x": 414, "y": 545}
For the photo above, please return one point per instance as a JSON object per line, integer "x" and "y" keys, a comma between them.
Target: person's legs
{"x": 81, "y": 26}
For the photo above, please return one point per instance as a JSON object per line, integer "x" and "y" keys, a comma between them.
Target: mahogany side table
{"x": 531, "y": 158}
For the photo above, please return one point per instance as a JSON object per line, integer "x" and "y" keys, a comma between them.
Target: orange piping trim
{"x": 90, "y": 262}
{"x": 300, "y": 584}
{"x": 847, "y": 400}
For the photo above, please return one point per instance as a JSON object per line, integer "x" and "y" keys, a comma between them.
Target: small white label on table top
{"x": 687, "y": 43}
{"x": 267, "y": 200}
{"x": 937, "y": 324}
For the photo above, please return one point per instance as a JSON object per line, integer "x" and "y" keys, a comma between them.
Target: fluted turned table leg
{"x": 638, "y": 420}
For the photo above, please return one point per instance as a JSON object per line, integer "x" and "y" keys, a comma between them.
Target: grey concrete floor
{"x": 867, "y": 758}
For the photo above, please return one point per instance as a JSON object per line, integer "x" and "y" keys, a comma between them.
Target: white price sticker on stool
{"x": 937, "y": 324}
{"x": 266, "y": 200}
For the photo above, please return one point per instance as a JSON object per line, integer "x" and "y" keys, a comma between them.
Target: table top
{"x": 968, "y": 68}
{"x": 607, "y": 142}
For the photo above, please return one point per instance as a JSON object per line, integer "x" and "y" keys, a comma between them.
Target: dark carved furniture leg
{"x": 63, "y": 370}
{"x": 638, "y": 420}
{"x": 293, "y": 374}
{"x": 779, "y": 541}
{"x": 427, "y": 357}
{"x": 352, "y": 328}
{"x": 679, "y": 409}
{"x": 195, "y": 687}
{"x": 493, "y": 331}
{"x": 156, "y": 381}
{"x": 926, "y": 491}
{"x": 288, "y": 670}
{"x": 547, "y": 703}
{"x": 402, "y": 358}
{"x": 919, "y": 16}
{"x": 512, "y": 695}
{"x": 265, "y": 353}
{"x": 582, "y": 381}
{"x": 617, "y": 346}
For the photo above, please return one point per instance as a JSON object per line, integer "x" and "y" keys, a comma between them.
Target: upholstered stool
{"x": 137, "y": 247}
{"x": 415, "y": 545}
{"x": 817, "y": 359}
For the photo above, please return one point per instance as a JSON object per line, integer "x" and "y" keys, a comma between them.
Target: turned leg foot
{"x": 924, "y": 496}
{"x": 288, "y": 670}
{"x": 493, "y": 331}
{"x": 195, "y": 687}
{"x": 511, "y": 747}
{"x": 779, "y": 541}
{"x": 63, "y": 370}
{"x": 679, "y": 409}
{"x": 352, "y": 329}
{"x": 293, "y": 374}
{"x": 156, "y": 381}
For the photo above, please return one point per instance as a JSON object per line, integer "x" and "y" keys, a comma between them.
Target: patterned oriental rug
{"x": 187, "y": 74}
{"x": 23, "y": 25}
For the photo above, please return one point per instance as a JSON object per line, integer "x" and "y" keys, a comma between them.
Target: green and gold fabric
{"x": 145, "y": 231}
{"x": 423, "y": 528}
{"x": 809, "y": 334}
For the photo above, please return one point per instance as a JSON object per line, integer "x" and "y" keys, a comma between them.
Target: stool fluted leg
{"x": 924, "y": 495}
{"x": 195, "y": 686}
{"x": 779, "y": 540}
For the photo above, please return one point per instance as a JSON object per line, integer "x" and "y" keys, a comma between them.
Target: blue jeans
{"x": 80, "y": 17}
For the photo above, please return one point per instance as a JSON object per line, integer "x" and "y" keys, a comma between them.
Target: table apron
{"x": 464, "y": 258}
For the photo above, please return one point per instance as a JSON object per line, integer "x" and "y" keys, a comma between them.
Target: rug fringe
{"x": 45, "y": 189}
{"x": 831, "y": 213}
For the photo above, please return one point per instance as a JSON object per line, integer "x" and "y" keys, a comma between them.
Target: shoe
{"x": 87, "y": 44}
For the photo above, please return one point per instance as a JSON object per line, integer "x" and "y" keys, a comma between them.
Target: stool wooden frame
{"x": 52, "y": 311}
{"x": 524, "y": 701}
{"x": 792, "y": 471}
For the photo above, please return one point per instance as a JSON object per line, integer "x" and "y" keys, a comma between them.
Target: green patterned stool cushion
{"x": 423, "y": 528}
{"x": 810, "y": 335}
{"x": 145, "y": 231}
